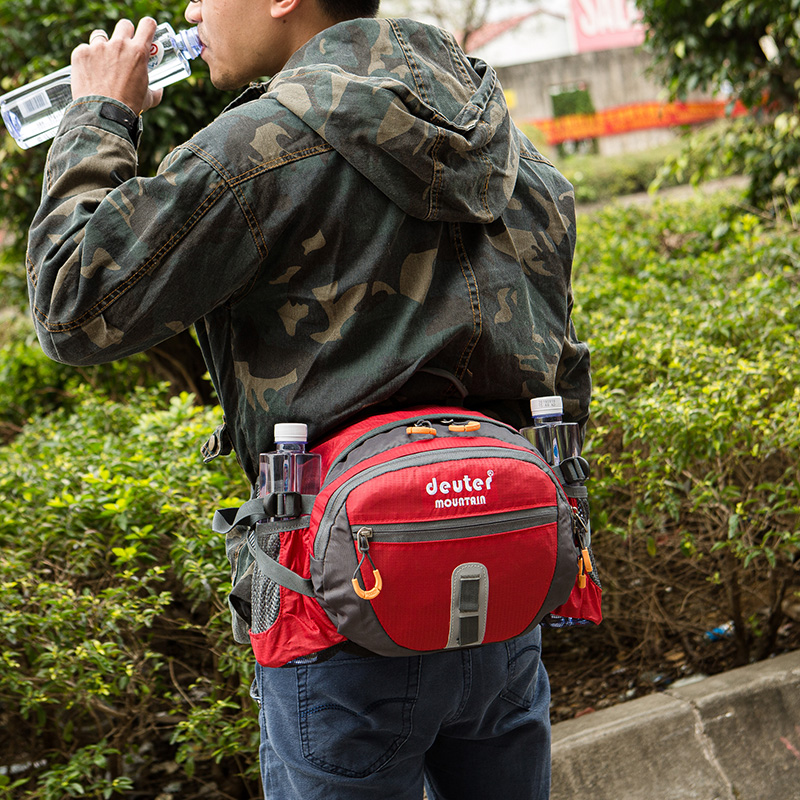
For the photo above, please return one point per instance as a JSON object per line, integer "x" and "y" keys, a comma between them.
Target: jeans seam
{"x": 466, "y": 664}
{"x": 508, "y": 693}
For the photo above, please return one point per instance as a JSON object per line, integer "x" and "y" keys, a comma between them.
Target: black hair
{"x": 349, "y": 9}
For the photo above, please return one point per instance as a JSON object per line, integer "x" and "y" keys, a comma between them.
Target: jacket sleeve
{"x": 117, "y": 263}
{"x": 573, "y": 378}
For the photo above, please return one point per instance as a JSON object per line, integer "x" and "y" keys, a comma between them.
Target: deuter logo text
{"x": 458, "y": 492}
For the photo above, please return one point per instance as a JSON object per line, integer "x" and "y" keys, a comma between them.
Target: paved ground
{"x": 734, "y": 736}
{"x": 670, "y": 193}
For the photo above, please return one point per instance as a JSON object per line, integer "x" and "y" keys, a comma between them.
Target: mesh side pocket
{"x": 266, "y": 594}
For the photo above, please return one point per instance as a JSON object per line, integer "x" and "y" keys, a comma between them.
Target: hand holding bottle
{"x": 31, "y": 113}
{"x": 117, "y": 67}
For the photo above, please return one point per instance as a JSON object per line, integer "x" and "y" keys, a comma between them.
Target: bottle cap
{"x": 291, "y": 432}
{"x": 546, "y": 406}
{"x": 189, "y": 43}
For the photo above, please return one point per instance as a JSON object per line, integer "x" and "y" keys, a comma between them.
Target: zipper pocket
{"x": 339, "y": 497}
{"x": 441, "y": 530}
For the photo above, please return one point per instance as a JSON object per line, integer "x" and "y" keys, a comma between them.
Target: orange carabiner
{"x": 369, "y": 594}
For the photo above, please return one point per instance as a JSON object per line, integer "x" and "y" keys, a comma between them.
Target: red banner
{"x": 634, "y": 117}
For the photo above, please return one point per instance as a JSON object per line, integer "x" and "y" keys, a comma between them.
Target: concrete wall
{"x": 612, "y": 77}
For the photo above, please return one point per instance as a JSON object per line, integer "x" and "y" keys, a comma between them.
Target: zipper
{"x": 438, "y": 417}
{"x": 440, "y": 530}
{"x": 337, "y": 499}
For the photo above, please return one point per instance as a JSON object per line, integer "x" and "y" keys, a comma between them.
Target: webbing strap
{"x": 276, "y": 571}
{"x": 258, "y": 511}
{"x": 248, "y": 514}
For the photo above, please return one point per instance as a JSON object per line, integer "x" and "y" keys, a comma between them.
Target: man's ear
{"x": 282, "y": 8}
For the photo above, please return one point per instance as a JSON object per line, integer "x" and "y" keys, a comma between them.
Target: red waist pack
{"x": 434, "y": 529}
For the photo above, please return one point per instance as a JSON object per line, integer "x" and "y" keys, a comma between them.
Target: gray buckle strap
{"x": 276, "y": 571}
{"x": 248, "y": 514}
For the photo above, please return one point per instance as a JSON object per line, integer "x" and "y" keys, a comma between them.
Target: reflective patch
{"x": 469, "y": 600}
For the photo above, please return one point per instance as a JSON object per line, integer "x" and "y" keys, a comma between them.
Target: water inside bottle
{"x": 167, "y": 63}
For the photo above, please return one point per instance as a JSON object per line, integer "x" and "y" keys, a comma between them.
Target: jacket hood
{"x": 409, "y": 110}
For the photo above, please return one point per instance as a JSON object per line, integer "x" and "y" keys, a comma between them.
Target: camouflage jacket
{"x": 368, "y": 213}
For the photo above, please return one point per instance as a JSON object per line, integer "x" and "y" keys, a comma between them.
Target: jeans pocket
{"x": 524, "y": 658}
{"x": 356, "y": 712}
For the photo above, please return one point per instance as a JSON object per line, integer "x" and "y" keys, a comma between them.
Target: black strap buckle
{"x": 575, "y": 469}
{"x": 283, "y": 505}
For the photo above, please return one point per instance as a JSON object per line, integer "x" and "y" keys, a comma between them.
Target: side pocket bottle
{"x": 33, "y": 112}
{"x": 560, "y": 444}
{"x": 546, "y": 413}
{"x": 289, "y": 468}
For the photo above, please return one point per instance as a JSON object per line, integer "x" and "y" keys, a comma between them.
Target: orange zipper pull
{"x": 421, "y": 427}
{"x": 465, "y": 427}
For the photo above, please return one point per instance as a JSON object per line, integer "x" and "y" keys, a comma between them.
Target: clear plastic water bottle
{"x": 289, "y": 468}
{"x": 547, "y": 413}
{"x": 560, "y": 444}
{"x": 33, "y": 112}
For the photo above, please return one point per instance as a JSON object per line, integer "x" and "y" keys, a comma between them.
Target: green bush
{"x": 747, "y": 51}
{"x": 600, "y": 178}
{"x": 692, "y": 310}
{"x": 766, "y": 151}
{"x": 117, "y": 671}
{"x": 32, "y": 384}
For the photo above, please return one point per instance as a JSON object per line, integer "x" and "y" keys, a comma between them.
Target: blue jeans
{"x": 469, "y": 725}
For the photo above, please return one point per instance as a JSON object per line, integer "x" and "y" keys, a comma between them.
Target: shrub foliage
{"x": 32, "y": 384}
{"x": 117, "y": 672}
{"x": 749, "y": 50}
{"x": 693, "y": 313}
